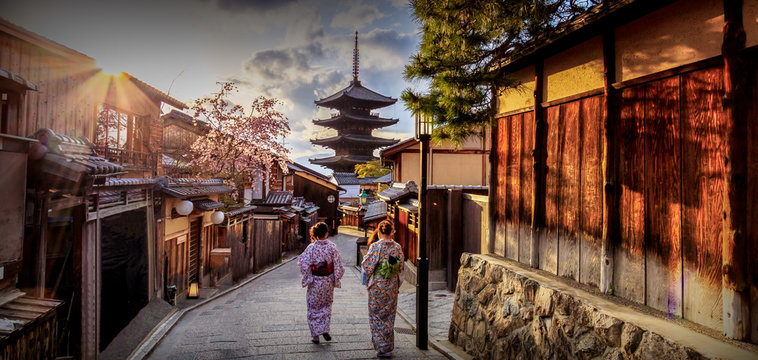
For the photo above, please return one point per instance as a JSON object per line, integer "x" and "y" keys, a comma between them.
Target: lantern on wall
{"x": 217, "y": 217}
{"x": 184, "y": 207}
{"x": 192, "y": 293}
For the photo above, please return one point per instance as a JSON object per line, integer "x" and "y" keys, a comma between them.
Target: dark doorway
{"x": 124, "y": 271}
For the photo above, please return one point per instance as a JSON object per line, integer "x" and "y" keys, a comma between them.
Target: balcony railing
{"x": 129, "y": 159}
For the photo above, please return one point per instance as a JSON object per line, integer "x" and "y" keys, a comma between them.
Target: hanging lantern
{"x": 217, "y": 217}
{"x": 184, "y": 207}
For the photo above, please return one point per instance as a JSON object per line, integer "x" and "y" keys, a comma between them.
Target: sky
{"x": 294, "y": 50}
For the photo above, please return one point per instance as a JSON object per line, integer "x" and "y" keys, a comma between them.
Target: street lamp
{"x": 363, "y": 200}
{"x": 424, "y": 126}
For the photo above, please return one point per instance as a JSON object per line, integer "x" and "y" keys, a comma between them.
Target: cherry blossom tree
{"x": 239, "y": 143}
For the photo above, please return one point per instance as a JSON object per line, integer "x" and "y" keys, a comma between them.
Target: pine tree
{"x": 463, "y": 44}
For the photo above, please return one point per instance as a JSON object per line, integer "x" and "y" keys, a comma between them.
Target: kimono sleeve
{"x": 304, "y": 262}
{"x": 339, "y": 270}
{"x": 372, "y": 258}
{"x": 400, "y": 256}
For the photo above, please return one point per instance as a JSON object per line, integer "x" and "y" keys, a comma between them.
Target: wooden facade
{"x": 641, "y": 162}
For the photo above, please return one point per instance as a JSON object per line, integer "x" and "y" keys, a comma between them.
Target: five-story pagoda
{"x": 354, "y": 143}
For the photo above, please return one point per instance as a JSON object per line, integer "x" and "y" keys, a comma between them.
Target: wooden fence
{"x": 267, "y": 241}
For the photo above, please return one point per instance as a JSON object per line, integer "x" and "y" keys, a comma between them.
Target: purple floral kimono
{"x": 382, "y": 294}
{"x": 320, "y": 288}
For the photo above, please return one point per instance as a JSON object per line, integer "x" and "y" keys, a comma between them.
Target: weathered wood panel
{"x": 268, "y": 242}
{"x": 525, "y": 182}
{"x": 436, "y": 229}
{"x": 548, "y": 253}
{"x": 752, "y": 219}
{"x": 512, "y": 187}
{"x": 629, "y": 253}
{"x": 475, "y": 227}
{"x": 500, "y": 199}
{"x": 591, "y": 199}
{"x": 568, "y": 210}
{"x": 663, "y": 265}
{"x": 702, "y": 195}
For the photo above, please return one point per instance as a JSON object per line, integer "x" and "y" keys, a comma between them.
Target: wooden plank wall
{"x": 67, "y": 94}
{"x": 437, "y": 250}
{"x": 752, "y": 219}
{"x": 268, "y": 242}
{"x": 475, "y": 226}
{"x": 513, "y": 190}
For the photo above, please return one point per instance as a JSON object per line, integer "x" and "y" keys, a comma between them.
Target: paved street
{"x": 266, "y": 319}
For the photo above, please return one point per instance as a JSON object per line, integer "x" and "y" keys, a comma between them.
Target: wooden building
{"x": 74, "y": 129}
{"x": 449, "y": 164}
{"x": 355, "y": 122}
{"x": 180, "y": 131}
{"x": 316, "y": 188}
{"x": 640, "y": 116}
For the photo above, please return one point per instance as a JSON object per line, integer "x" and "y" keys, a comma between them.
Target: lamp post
{"x": 423, "y": 134}
{"x": 363, "y": 200}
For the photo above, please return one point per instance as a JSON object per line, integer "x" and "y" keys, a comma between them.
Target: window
{"x": 118, "y": 129}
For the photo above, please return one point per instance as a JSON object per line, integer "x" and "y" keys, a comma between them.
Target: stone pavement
{"x": 266, "y": 319}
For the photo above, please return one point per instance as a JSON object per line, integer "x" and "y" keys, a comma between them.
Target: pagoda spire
{"x": 355, "y": 58}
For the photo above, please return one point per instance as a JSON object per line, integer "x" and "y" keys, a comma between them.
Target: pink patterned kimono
{"x": 320, "y": 288}
{"x": 382, "y": 294}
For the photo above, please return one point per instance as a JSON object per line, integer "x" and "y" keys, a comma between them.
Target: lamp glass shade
{"x": 193, "y": 290}
{"x": 184, "y": 207}
{"x": 217, "y": 217}
{"x": 424, "y": 125}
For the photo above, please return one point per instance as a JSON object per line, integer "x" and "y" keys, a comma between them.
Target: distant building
{"x": 466, "y": 164}
{"x": 354, "y": 143}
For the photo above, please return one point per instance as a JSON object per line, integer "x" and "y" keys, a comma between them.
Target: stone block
{"x": 589, "y": 346}
{"x": 565, "y": 304}
{"x": 543, "y": 302}
{"x": 613, "y": 354}
{"x": 511, "y": 307}
{"x": 477, "y": 284}
{"x": 630, "y": 338}
{"x": 486, "y": 295}
{"x": 653, "y": 346}
{"x": 465, "y": 260}
{"x": 494, "y": 274}
{"x": 530, "y": 289}
{"x": 609, "y": 328}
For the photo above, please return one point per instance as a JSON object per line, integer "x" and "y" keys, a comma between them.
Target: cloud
{"x": 356, "y": 17}
{"x": 254, "y": 5}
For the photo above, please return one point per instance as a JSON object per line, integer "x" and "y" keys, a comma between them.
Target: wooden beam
{"x": 43, "y": 202}
{"x": 538, "y": 173}
{"x": 737, "y": 97}
{"x": 610, "y": 210}
{"x": 493, "y": 201}
{"x": 454, "y": 239}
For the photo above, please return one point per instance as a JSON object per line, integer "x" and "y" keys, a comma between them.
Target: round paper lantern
{"x": 217, "y": 217}
{"x": 184, "y": 207}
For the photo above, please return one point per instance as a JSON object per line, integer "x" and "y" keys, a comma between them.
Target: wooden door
{"x": 194, "y": 250}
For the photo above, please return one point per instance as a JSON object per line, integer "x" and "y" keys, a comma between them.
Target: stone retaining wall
{"x": 502, "y": 314}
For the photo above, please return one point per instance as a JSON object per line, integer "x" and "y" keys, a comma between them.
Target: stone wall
{"x": 501, "y": 312}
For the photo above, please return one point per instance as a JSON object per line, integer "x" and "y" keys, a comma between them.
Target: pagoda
{"x": 354, "y": 143}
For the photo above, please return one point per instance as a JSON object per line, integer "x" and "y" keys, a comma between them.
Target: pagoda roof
{"x": 373, "y": 121}
{"x": 354, "y": 139}
{"x": 357, "y": 94}
{"x": 342, "y": 160}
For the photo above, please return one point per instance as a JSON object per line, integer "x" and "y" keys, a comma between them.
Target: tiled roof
{"x": 171, "y": 162}
{"x": 17, "y": 81}
{"x": 22, "y": 314}
{"x": 155, "y": 93}
{"x": 348, "y": 178}
{"x": 279, "y": 197}
{"x": 207, "y": 204}
{"x": 375, "y": 210}
{"x": 342, "y": 119}
{"x": 128, "y": 182}
{"x": 397, "y": 147}
{"x": 185, "y": 187}
{"x": 242, "y": 210}
{"x": 293, "y": 166}
{"x": 185, "y": 118}
{"x": 398, "y": 190}
{"x": 355, "y": 92}
{"x": 74, "y": 154}
{"x": 357, "y": 139}
{"x": 384, "y": 179}
{"x": 458, "y": 187}
{"x": 342, "y": 159}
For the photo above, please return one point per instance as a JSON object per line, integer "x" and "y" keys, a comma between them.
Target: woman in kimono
{"x": 321, "y": 266}
{"x": 383, "y": 265}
